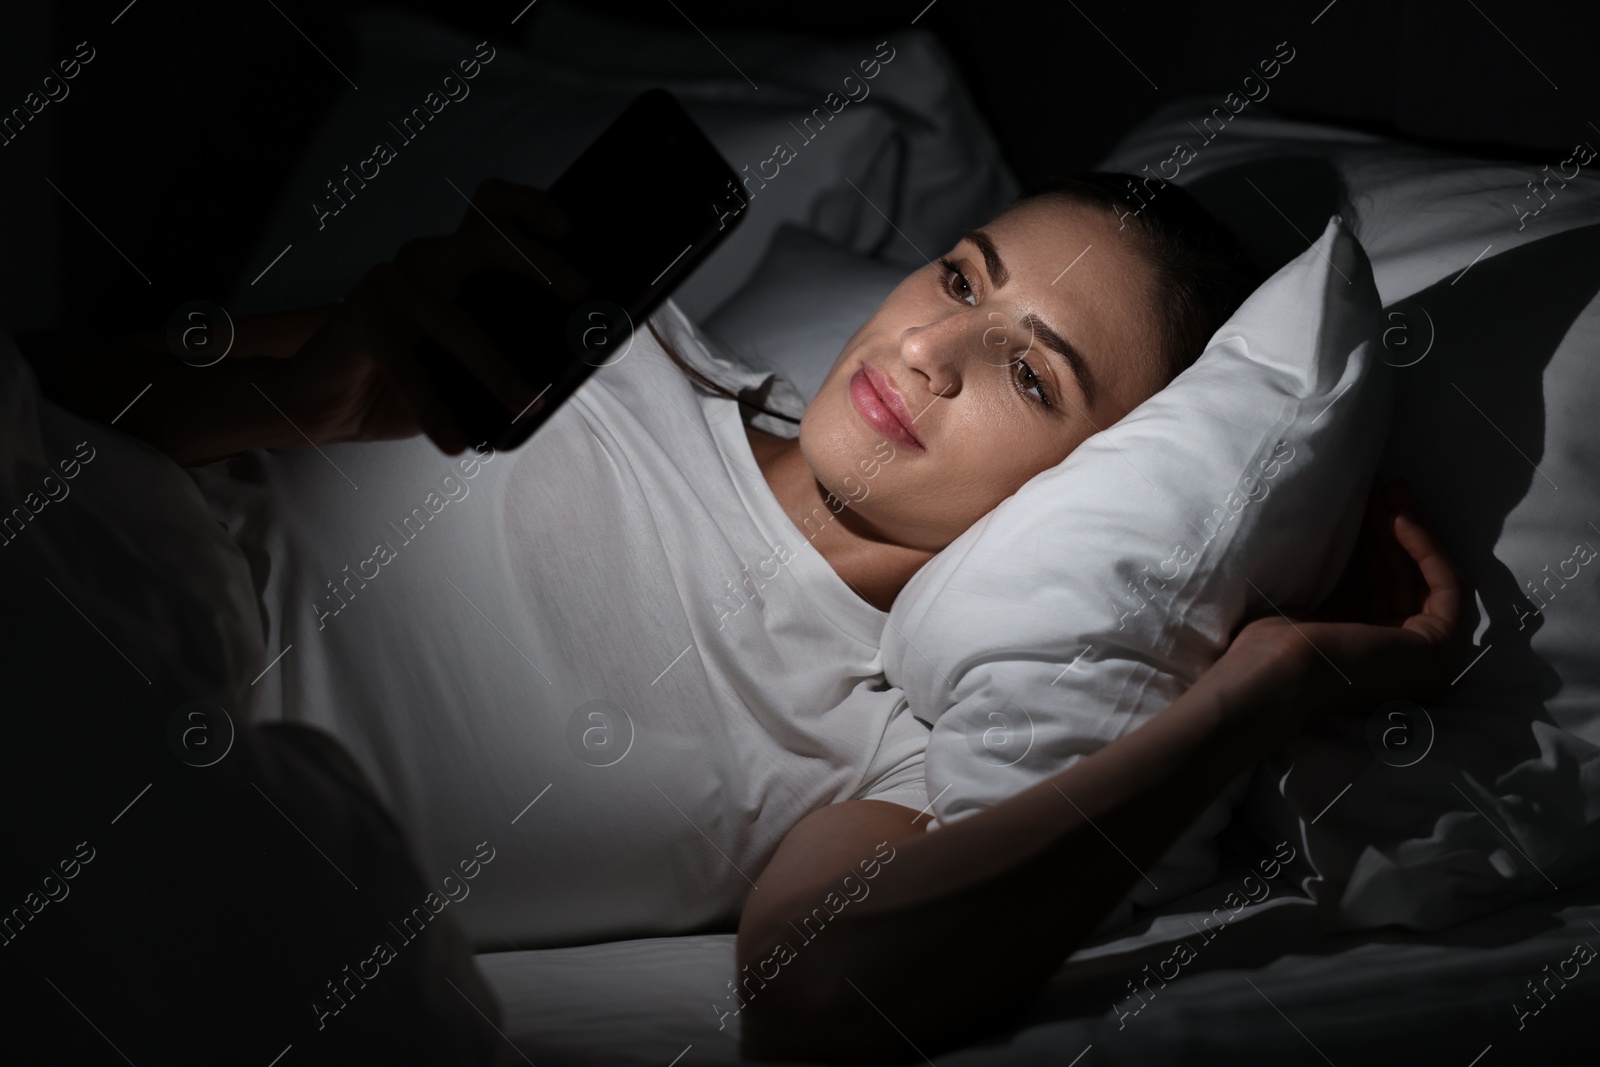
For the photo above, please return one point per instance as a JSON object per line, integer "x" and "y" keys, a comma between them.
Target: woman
{"x": 1049, "y": 323}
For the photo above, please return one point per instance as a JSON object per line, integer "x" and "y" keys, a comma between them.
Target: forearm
{"x": 971, "y": 918}
{"x": 193, "y": 414}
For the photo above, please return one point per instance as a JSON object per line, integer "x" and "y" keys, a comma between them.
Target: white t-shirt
{"x": 616, "y": 623}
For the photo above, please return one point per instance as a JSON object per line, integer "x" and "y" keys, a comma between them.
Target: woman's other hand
{"x": 358, "y": 377}
{"x": 1399, "y": 624}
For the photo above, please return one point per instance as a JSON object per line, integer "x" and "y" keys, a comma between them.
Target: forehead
{"x": 1072, "y": 266}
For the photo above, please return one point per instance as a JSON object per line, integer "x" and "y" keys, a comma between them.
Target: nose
{"x": 941, "y": 349}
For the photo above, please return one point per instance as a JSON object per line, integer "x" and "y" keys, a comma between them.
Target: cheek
{"x": 996, "y": 456}
{"x": 835, "y": 377}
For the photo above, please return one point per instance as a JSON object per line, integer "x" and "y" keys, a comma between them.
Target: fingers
{"x": 414, "y": 297}
{"x": 442, "y": 264}
{"x": 1405, "y": 590}
{"x": 1448, "y": 590}
{"x": 524, "y": 205}
{"x": 458, "y": 333}
{"x": 392, "y": 346}
{"x": 523, "y": 220}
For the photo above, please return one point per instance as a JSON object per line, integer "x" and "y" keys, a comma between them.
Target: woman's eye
{"x": 1028, "y": 383}
{"x": 956, "y": 283}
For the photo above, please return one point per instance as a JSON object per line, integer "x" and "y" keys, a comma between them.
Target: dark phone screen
{"x": 648, "y": 201}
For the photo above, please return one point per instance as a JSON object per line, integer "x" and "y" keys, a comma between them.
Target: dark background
{"x": 177, "y": 137}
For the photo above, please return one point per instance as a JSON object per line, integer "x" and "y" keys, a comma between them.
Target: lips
{"x": 882, "y": 408}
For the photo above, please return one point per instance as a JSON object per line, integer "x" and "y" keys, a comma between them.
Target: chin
{"x": 832, "y": 436}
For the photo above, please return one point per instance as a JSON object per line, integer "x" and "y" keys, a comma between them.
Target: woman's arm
{"x": 958, "y": 925}
{"x": 964, "y": 922}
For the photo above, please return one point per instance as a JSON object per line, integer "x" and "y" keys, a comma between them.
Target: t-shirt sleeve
{"x": 896, "y": 772}
{"x": 905, "y": 787}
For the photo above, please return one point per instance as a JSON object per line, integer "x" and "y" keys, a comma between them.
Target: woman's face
{"x": 973, "y": 354}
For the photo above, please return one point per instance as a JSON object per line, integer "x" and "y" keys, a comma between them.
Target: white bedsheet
{"x": 1269, "y": 986}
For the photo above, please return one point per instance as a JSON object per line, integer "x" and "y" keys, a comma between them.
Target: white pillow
{"x": 1492, "y": 325}
{"x": 1095, "y": 595}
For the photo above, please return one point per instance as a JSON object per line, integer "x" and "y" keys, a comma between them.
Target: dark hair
{"x": 695, "y": 375}
{"x": 1202, "y": 274}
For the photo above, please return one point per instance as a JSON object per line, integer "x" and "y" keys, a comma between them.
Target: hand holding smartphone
{"x": 477, "y": 337}
{"x": 645, "y": 205}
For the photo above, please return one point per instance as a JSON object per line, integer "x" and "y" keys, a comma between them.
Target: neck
{"x": 876, "y": 568}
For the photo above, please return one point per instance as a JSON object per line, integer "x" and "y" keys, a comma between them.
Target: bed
{"x": 1195, "y": 980}
{"x": 1277, "y": 985}
{"x": 1268, "y": 985}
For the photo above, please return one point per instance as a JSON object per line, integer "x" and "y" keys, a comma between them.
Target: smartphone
{"x": 649, "y": 200}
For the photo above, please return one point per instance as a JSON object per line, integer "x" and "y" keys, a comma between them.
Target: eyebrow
{"x": 991, "y": 257}
{"x": 1076, "y": 365}
{"x": 1069, "y": 354}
